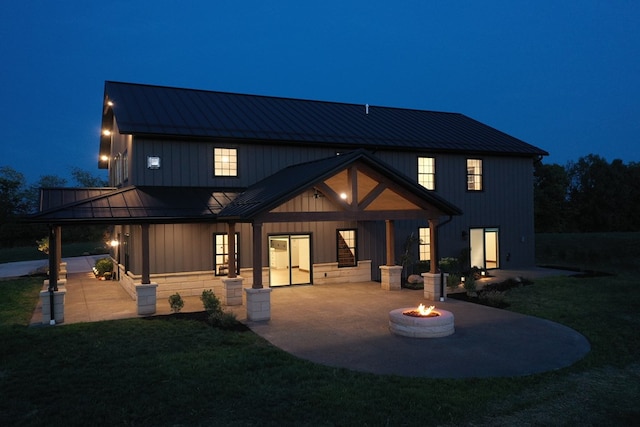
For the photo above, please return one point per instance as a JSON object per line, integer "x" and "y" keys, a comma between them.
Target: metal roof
{"x": 159, "y": 110}
{"x": 287, "y": 183}
{"x": 141, "y": 204}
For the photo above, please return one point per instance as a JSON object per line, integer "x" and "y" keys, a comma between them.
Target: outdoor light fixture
{"x": 114, "y": 243}
{"x": 343, "y": 196}
{"x": 110, "y": 103}
{"x": 106, "y": 132}
{"x": 153, "y": 162}
{"x": 104, "y": 157}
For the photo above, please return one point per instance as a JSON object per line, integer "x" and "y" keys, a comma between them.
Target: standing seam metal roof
{"x": 159, "y": 110}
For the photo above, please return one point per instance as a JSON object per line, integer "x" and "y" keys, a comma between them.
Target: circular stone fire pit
{"x": 410, "y": 325}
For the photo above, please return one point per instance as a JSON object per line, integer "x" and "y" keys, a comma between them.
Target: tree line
{"x": 18, "y": 199}
{"x": 588, "y": 195}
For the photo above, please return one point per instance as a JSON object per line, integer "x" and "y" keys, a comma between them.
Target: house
{"x": 230, "y": 191}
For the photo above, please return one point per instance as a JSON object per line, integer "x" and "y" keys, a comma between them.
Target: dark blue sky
{"x": 561, "y": 75}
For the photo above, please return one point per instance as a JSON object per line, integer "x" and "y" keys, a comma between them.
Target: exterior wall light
{"x": 153, "y": 162}
{"x": 104, "y": 157}
{"x": 106, "y": 132}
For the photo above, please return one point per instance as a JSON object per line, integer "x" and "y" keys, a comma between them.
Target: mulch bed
{"x": 197, "y": 316}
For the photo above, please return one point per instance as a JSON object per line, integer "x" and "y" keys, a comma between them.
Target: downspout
{"x": 442, "y": 294}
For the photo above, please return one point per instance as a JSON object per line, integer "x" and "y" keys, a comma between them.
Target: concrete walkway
{"x": 347, "y": 326}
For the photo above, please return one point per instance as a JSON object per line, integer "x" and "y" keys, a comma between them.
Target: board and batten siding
{"x": 190, "y": 163}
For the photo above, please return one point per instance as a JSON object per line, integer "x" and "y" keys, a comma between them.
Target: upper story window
{"x": 424, "y": 244}
{"x": 427, "y": 172}
{"x": 225, "y": 162}
{"x": 125, "y": 166}
{"x": 347, "y": 256}
{"x": 474, "y": 174}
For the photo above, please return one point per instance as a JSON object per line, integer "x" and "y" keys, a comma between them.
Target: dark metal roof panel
{"x": 144, "y": 109}
{"x": 142, "y": 204}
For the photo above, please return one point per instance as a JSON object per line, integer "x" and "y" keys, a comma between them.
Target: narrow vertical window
{"x": 225, "y": 162}
{"x": 347, "y": 256}
{"x": 425, "y": 244}
{"x": 474, "y": 174}
{"x": 221, "y": 254}
{"x": 427, "y": 172}
{"x": 125, "y": 166}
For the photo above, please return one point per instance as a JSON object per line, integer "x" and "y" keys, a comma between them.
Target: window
{"x": 225, "y": 162}
{"x": 427, "y": 172}
{"x": 221, "y": 254}
{"x": 474, "y": 174}
{"x": 347, "y": 248}
{"x": 125, "y": 166}
{"x": 424, "y": 246}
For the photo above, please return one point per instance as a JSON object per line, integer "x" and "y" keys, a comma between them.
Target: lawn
{"x": 181, "y": 372}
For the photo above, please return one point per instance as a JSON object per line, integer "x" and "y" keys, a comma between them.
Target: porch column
{"x": 433, "y": 245}
{"x": 146, "y": 292}
{"x": 257, "y": 255}
{"x": 433, "y": 280}
{"x": 390, "y": 274}
{"x": 146, "y": 275}
{"x": 231, "y": 238}
{"x": 52, "y": 299}
{"x": 53, "y": 258}
{"x": 232, "y": 284}
{"x": 258, "y": 299}
{"x": 390, "y": 237}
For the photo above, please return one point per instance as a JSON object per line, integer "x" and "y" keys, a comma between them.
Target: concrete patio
{"x": 347, "y": 326}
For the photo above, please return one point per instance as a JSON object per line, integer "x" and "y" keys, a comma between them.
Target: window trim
{"x": 224, "y": 173}
{"x": 431, "y": 174}
{"x": 422, "y": 245}
{"x": 475, "y": 176}
{"x": 354, "y": 252}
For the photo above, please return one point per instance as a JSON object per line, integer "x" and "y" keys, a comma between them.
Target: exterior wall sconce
{"x": 153, "y": 162}
{"x": 106, "y": 132}
{"x": 104, "y": 157}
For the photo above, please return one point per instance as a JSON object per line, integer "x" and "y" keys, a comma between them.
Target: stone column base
{"x": 391, "y": 277}
{"x": 146, "y": 298}
{"x": 232, "y": 290}
{"x": 432, "y": 286}
{"x": 58, "y": 305}
{"x": 258, "y": 304}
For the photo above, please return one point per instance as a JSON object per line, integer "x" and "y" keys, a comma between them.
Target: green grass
{"x": 178, "y": 372}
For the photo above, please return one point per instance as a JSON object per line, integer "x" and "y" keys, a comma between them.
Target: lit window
{"x": 425, "y": 244}
{"x": 427, "y": 172}
{"x": 221, "y": 254}
{"x": 225, "y": 162}
{"x": 474, "y": 174}
{"x": 347, "y": 248}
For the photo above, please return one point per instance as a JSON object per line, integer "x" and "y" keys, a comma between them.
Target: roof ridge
{"x": 285, "y": 98}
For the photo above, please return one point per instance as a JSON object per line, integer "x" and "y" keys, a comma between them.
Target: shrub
{"x": 211, "y": 302}
{"x": 102, "y": 266}
{"x": 449, "y": 265}
{"x": 493, "y": 298}
{"x": 422, "y": 267}
{"x": 223, "y": 319}
{"x": 453, "y": 280}
{"x": 176, "y": 303}
{"x": 470, "y": 285}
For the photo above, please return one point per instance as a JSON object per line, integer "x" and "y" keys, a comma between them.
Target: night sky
{"x": 561, "y": 75}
